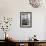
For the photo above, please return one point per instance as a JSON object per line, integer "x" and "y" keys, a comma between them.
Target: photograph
{"x": 25, "y": 19}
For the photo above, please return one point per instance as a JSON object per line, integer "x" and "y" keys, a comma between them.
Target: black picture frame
{"x": 26, "y": 19}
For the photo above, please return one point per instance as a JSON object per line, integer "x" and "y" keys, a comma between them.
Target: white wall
{"x": 12, "y": 8}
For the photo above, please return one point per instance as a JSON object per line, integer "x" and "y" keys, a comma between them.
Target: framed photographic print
{"x": 26, "y": 19}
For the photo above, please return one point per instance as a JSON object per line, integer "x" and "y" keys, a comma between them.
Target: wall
{"x": 12, "y": 8}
